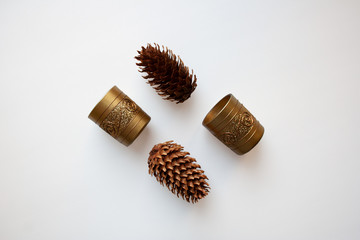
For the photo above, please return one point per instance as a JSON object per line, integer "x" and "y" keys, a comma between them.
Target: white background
{"x": 294, "y": 64}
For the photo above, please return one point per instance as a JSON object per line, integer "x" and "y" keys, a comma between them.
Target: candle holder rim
{"x": 215, "y": 111}
{"x": 98, "y": 110}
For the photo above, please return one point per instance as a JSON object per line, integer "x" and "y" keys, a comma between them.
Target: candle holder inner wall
{"x": 119, "y": 116}
{"x": 234, "y": 125}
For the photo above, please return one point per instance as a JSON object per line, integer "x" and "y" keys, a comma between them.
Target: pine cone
{"x": 166, "y": 73}
{"x": 178, "y": 171}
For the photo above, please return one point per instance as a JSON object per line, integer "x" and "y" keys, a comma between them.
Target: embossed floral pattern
{"x": 130, "y": 105}
{"x": 237, "y": 128}
{"x": 117, "y": 120}
{"x": 247, "y": 119}
{"x": 228, "y": 138}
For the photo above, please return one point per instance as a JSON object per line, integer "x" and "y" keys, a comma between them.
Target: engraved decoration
{"x": 237, "y": 129}
{"x": 117, "y": 120}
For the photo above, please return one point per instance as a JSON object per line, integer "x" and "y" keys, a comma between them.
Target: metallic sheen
{"x": 119, "y": 116}
{"x": 234, "y": 125}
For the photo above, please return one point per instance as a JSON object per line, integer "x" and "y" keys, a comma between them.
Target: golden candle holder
{"x": 119, "y": 116}
{"x": 234, "y": 125}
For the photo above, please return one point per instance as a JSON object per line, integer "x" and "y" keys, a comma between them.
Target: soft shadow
{"x": 252, "y": 159}
{"x": 179, "y": 110}
{"x": 142, "y": 143}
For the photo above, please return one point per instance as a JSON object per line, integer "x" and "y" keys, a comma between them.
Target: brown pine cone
{"x": 166, "y": 73}
{"x": 178, "y": 171}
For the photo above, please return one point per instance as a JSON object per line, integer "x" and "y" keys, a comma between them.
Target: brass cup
{"x": 234, "y": 125}
{"x": 119, "y": 116}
